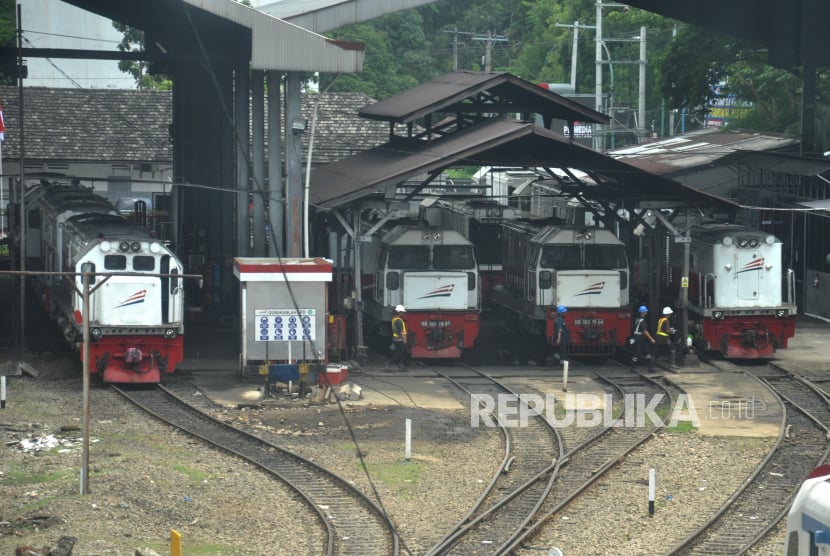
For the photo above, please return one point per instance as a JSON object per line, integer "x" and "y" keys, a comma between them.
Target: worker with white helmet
{"x": 397, "y": 353}
{"x": 665, "y": 335}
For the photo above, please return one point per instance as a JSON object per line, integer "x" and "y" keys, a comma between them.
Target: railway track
{"x": 590, "y": 459}
{"x": 765, "y": 497}
{"x": 350, "y": 523}
{"x": 514, "y": 507}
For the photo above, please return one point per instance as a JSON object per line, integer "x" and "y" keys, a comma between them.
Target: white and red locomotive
{"x": 741, "y": 297}
{"x": 583, "y": 268}
{"x": 432, "y": 272}
{"x": 136, "y": 315}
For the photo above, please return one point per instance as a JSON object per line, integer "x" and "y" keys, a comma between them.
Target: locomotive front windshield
{"x": 453, "y": 257}
{"x": 139, "y": 263}
{"x": 410, "y": 256}
{"x": 444, "y": 257}
{"x": 578, "y": 257}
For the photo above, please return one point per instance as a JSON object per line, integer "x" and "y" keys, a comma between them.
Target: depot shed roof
{"x": 492, "y": 142}
{"x": 479, "y": 93}
{"x": 274, "y": 44}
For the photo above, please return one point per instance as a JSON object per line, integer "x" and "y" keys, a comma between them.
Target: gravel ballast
{"x": 146, "y": 479}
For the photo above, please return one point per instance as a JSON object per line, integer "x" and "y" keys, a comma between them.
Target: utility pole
{"x": 489, "y": 41}
{"x": 599, "y": 140}
{"x": 641, "y": 108}
{"x": 455, "y": 32}
{"x": 576, "y": 26}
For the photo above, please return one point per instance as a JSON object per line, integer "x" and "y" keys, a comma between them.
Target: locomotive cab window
{"x": 34, "y": 219}
{"x": 115, "y": 262}
{"x": 143, "y": 262}
{"x": 445, "y": 257}
{"x": 561, "y": 257}
{"x": 605, "y": 256}
{"x": 409, "y": 257}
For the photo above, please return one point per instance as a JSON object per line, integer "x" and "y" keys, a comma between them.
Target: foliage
{"x": 133, "y": 41}
{"x": 534, "y": 39}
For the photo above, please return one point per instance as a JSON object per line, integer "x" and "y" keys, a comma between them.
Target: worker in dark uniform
{"x": 643, "y": 340}
{"x": 397, "y": 354}
{"x": 561, "y": 334}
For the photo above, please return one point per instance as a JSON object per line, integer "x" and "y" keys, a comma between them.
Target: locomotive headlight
{"x": 753, "y": 243}
{"x": 124, "y": 246}
{"x": 155, "y": 247}
{"x": 170, "y": 333}
{"x": 436, "y": 236}
{"x": 96, "y": 333}
{"x": 105, "y": 246}
{"x": 425, "y": 236}
{"x": 728, "y": 267}
{"x": 769, "y": 240}
{"x": 742, "y": 243}
{"x": 135, "y": 247}
{"x": 727, "y": 241}
{"x": 717, "y": 315}
{"x": 768, "y": 266}
{"x": 781, "y": 313}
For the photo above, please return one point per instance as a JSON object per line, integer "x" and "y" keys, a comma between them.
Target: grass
{"x": 682, "y": 426}
{"x": 399, "y": 476}
{"x": 19, "y": 475}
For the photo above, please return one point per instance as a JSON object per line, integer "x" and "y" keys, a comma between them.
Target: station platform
{"x": 725, "y": 403}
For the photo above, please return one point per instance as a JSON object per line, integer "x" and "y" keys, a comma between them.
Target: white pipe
{"x": 2, "y": 392}
{"x": 408, "y": 450}
{"x": 308, "y": 166}
{"x": 565, "y": 376}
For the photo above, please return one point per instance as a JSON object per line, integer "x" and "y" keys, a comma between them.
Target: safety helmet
{"x": 562, "y": 309}
{"x": 643, "y": 309}
{"x": 667, "y": 311}
{"x": 400, "y": 309}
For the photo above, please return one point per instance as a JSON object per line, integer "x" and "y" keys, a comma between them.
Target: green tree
{"x": 133, "y": 41}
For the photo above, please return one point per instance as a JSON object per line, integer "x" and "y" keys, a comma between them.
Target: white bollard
{"x": 651, "y": 489}
{"x": 2, "y": 392}
{"x": 565, "y": 376}
{"x": 408, "y": 449}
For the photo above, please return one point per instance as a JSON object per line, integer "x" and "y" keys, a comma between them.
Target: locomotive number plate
{"x": 589, "y": 322}
{"x": 434, "y": 323}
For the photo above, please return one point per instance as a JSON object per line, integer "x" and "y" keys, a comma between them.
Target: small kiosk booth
{"x": 284, "y": 315}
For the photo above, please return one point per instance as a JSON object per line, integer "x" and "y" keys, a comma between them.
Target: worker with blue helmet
{"x": 643, "y": 340}
{"x": 561, "y": 334}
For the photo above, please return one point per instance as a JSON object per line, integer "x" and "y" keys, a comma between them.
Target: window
{"x": 561, "y": 257}
{"x": 145, "y": 263}
{"x": 115, "y": 262}
{"x": 605, "y": 256}
{"x": 450, "y": 257}
{"x": 409, "y": 257}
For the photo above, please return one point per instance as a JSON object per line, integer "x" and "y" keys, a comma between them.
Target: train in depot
{"x": 741, "y": 298}
{"x": 432, "y": 272}
{"x": 808, "y": 521}
{"x": 136, "y": 300}
{"x": 583, "y": 268}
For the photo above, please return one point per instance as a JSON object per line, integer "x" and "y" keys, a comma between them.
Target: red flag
{"x": 2, "y": 125}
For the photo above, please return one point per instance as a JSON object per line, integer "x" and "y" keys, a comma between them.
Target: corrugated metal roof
{"x": 777, "y": 162}
{"x": 682, "y": 152}
{"x": 324, "y": 15}
{"x": 492, "y": 142}
{"x": 479, "y": 92}
{"x": 275, "y": 44}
